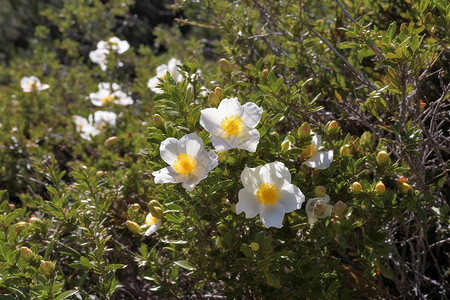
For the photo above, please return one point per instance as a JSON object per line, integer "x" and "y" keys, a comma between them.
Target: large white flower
{"x": 189, "y": 161}
{"x": 93, "y": 125}
{"x": 232, "y": 125}
{"x": 100, "y": 57}
{"x": 161, "y": 71}
{"x": 32, "y": 83}
{"x": 114, "y": 44}
{"x": 268, "y": 192}
{"x": 317, "y": 159}
{"x": 318, "y": 208}
{"x": 152, "y": 223}
{"x": 108, "y": 93}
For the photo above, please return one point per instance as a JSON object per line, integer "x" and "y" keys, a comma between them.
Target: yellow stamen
{"x": 184, "y": 164}
{"x": 308, "y": 151}
{"x": 163, "y": 77}
{"x": 150, "y": 220}
{"x": 108, "y": 99}
{"x": 232, "y": 125}
{"x": 268, "y": 194}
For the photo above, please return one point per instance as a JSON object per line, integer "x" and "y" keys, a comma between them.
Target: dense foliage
{"x": 126, "y": 92}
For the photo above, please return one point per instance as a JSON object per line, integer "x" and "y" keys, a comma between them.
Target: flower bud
{"x": 225, "y": 66}
{"x": 213, "y": 99}
{"x": 380, "y": 188}
{"x": 254, "y": 246}
{"x": 304, "y": 131}
{"x": 275, "y": 134}
{"x": 345, "y": 150}
{"x": 265, "y": 74}
{"x": 19, "y": 226}
{"x": 222, "y": 156}
{"x": 158, "y": 121}
{"x": 219, "y": 93}
{"x": 320, "y": 191}
{"x": 366, "y": 139}
{"x": 222, "y": 228}
{"x": 47, "y": 268}
{"x": 133, "y": 227}
{"x": 339, "y": 208}
{"x": 285, "y": 145}
{"x": 33, "y": 219}
{"x": 332, "y": 127}
{"x": 156, "y": 209}
{"x": 26, "y": 253}
{"x": 356, "y": 187}
{"x": 383, "y": 158}
{"x": 111, "y": 141}
{"x": 403, "y": 187}
{"x": 422, "y": 105}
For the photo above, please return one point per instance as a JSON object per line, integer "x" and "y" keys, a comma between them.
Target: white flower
{"x": 161, "y": 71}
{"x": 232, "y": 125}
{"x": 268, "y": 192}
{"x": 318, "y": 208}
{"x": 152, "y": 223}
{"x": 189, "y": 161}
{"x": 317, "y": 159}
{"x": 100, "y": 57}
{"x": 114, "y": 44}
{"x": 93, "y": 125}
{"x": 32, "y": 83}
{"x": 108, "y": 93}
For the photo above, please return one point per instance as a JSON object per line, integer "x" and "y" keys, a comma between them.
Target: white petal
{"x": 231, "y": 107}
{"x": 272, "y": 216}
{"x": 190, "y": 144}
{"x": 248, "y": 204}
{"x": 152, "y": 83}
{"x": 43, "y": 86}
{"x": 321, "y": 160}
{"x": 123, "y": 47}
{"x": 169, "y": 150}
{"x": 252, "y": 114}
{"x": 210, "y": 120}
{"x": 161, "y": 70}
{"x": 166, "y": 175}
{"x": 249, "y": 141}
{"x": 291, "y": 197}
{"x": 250, "y": 178}
{"x": 153, "y": 228}
{"x": 221, "y": 144}
{"x": 276, "y": 173}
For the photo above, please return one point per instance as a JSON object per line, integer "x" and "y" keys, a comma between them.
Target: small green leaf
{"x": 247, "y": 250}
{"x": 272, "y": 280}
{"x": 185, "y": 265}
{"x": 66, "y": 294}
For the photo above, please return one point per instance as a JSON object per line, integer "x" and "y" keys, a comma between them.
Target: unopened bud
{"x": 222, "y": 228}
{"x": 47, "y": 268}
{"x": 402, "y": 179}
{"x": 380, "y": 188}
{"x": 304, "y": 131}
{"x": 366, "y": 139}
{"x": 213, "y": 99}
{"x": 345, "y": 150}
{"x": 225, "y": 66}
{"x": 422, "y": 104}
{"x": 33, "y": 219}
{"x": 285, "y": 145}
{"x": 111, "y": 141}
{"x": 222, "y": 156}
{"x": 265, "y": 74}
{"x": 254, "y": 246}
{"x": 320, "y": 191}
{"x": 219, "y": 92}
{"x": 19, "y": 226}
{"x": 158, "y": 121}
{"x": 332, "y": 127}
{"x": 156, "y": 209}
{"x": 356, "y": 187}
{"x": 133, "y": 227}
{"x": 26, "y": 253}
{"x": 339, "y": 208}
{"x": 383, "y": 158}
{"x": 275, "y": 134}
{"x": 403, "y": 187}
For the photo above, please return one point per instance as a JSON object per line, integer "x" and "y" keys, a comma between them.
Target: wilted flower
{"x": 317, "y": 159}
{"x": 318, "y": 208}
{"x": 110, "y": 93}
{"x": 152, "y": 223}
{"x": 32, "y": 83}
{"x": 93, "y": 125}
{"x": 161, "y": 71}
{"x": 189, "y": 161}
{"x": 268, "y": 192}
{"x": 232, "y": 125}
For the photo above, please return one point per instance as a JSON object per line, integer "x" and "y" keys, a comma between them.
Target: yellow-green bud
{"x": 222, "y": 228}
{"x": 156, "y": 209}
{"x": 225, "y": 66}
{"x": 219, "y": 93}
{"x": 356, "y": 187}
{"x": 339, "y": 208}
{"x": 304, "y": 131}
{"x": 26, "y": 253}
{"x": 111, "y": 141}
{"x": 380, "y": 188}
{"x": 222, "y": 156}
{"x": 383, "y": 158}
{"x": 275, "y": 134}
{"x": 213, "y": 99}
{"x": 320, "y": 191}
{"x": 345, "y": 150}
{"x": 403, "y": 187}
{"x": 47, "y": 268}
{"x": 133, "y": 227}
{"x": 265, "y": 74}
{"x": 332, "y": 127}
{"x": 285, "y": 145}
{"x": 254, "y": 246}
{"x": 19, "y": 226}
{"x": 158, "y": 121}
{"x": 366, "y": 139}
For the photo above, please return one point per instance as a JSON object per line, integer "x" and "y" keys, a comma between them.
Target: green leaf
{"x": 341, "y": 241}
{"x": 272, "y": 280}
{"x": 247, "y": 250}
{"x": 115, "y": 267}
{"x": 185, "y": 265}
{"x": 390, "y": 34}
{"x": 66, "y": 294}
{"x": 324, "y": 240}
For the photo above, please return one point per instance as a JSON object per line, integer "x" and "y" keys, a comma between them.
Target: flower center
{"x": 108, "y": 99}
{"x": 232, "y": 125}
{"x": 308, "y": 152}
{"x": 184, "y": 164}
{"x": 151, "y": 220}
{"x": 268, "y": 193}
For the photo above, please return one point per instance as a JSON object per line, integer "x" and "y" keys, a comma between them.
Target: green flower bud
{"x": 356, "y": 187}
{"x": 304, "y": 131}
{"x": 285, "y": 145}
{"x": 47, "y": 268}
{"x": 275, "y": 134}
{"x": 213, "y": 99}
{"x": 366, "y": 139}
{"x": 26, "y": 253}
{"x": 158, "y": 121}
{"x": 254, "y": 246}
{"x": 19, "y": 226}
{"x": 320, "y": 191}
{"x": 133, "y": 227}
{"x": 225, "y": 66}
{"x": 111, "y": 141}
{"x": 332, "y": 127}
{"x": 219, "y": 93}
{"x": 156, "y": 209}
{"x": 222, "y": 228}
{"x": 345, "y": 150}
{"x": 265, "y": 74}
{"x": 380, "y": 188}
{"x": 383, "y": 158}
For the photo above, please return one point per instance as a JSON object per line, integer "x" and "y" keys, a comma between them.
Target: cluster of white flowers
{"x": 93, "y": 125}
{"x": 268, "y": 190}
{"x": 32, "y": 84}
{"x": 100, "y": 55}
